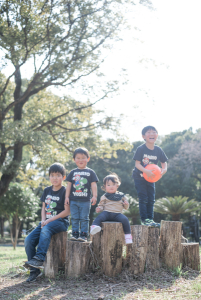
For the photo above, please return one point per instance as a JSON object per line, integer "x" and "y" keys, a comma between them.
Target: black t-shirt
{"x": 81, "y": 180}
{"x": 54, "y": 201}
{"x": 146, "y": 157}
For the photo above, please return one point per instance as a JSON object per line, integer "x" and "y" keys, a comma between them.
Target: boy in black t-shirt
{"x": 78, "y": 193}
{"x": 146, "y": 154}
{"x": 54, "y": 219}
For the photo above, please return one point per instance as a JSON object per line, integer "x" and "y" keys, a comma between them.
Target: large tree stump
{"x": 111, "y": 248}
{"x": 152, "y": 260}
{"x": 56, "y": 255}
{"x": 170, "y": 243}
{"x": 136, "y": 253}
{"x": 190, "y": 255}
{"x": 78, "y": 258}
{"x": 96, "y": 249}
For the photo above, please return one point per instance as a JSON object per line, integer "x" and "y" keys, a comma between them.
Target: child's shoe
{"x": 148, "y": 223}
{"x": 154, "y": 224}
{"x": 74, "y": 236}
{"x": 83, "y": 237}
{"x": 128, "y": 239}
{"x": 95, "y": 229}
{"x": 33, "y": 275}
{"x": 36, "y": 263}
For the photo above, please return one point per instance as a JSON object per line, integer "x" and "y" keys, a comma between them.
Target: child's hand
{"x": 93, "y": 200}
{"x": 42, "y": 223}
{"x": 163, "y": 171}
{"x": 98, "y": 209}
{"x": 126, "y": 202}
{"x": 66, "y": 201}
{"x": 149, "y": 173}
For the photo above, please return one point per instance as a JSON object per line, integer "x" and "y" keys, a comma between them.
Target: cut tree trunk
{"x": 136, "y": 253}
{"x": 96, "y": 250}
{"x": 78, "y": 257}
{"x": 170, "y": 243}
{"x": 152, "y": 260}
{"x": 111, "y": 248}
{"x": 56, "y": 255}
{"x": 190, "y": 255}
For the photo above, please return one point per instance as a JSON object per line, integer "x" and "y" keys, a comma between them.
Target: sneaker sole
{"x": 81, "y": 240}
{"x": 95, "y": 230}
{"x": 37, "y": 267}
{"x": 73, "y": 239}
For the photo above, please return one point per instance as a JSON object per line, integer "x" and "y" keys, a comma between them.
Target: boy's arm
{"x": 68, "y": 189}
{"x": 94, "y": 193}
{"x": 63, "y": 214}
{"x": 164, "y": 168}
{"x": 141, "y": 168}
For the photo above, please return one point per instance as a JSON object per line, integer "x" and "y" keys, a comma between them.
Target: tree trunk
{"x": 136, "y": 253}
{"x": 152, "y": 260}
{"x": 2, "y": 226}
{"x": 96, "y": 250}
{"x": 190, "y": 255}
{"x": 170, "y": 243}
{"x": 56, "y": 255}
{"x": 111, "y": 248}
{"x": 78, "y": 258}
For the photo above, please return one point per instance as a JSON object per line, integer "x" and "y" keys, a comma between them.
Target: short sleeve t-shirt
{"x": 81, "y": 180}
{"x": 146, "y": 157}
{"x": 54, "y": 201}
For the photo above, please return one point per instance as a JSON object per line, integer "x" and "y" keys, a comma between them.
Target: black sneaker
{"x": 38, "y": 264}
{"x": 74, "y": 236}
{"x": 33, "y": 275}
{"x": 83, "y": 237}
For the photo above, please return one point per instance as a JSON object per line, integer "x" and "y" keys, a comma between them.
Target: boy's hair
{"x": 57, "y": 167}
{"x": 145, "y": 129}
{"x": 81, "y": 150}
{"x": 113, "y": 177}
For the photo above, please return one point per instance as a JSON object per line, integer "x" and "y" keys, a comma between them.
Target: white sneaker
{"x": 128, "y": 239}
{"x": 95, "y": 229}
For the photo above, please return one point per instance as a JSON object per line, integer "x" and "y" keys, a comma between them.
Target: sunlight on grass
{"x": 11, "y": 260}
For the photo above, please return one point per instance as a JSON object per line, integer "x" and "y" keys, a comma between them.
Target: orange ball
{"x": 155, "y": 170}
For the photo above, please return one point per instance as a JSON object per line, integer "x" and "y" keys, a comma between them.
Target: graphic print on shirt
{"x": 49, "y": 207}
{"x": 79, "y": 185}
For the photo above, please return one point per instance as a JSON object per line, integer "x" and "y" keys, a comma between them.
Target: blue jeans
{"x": 42, "y": 237}
{"x": 116, "y": 217}
{"x": 80, "y": 215}
{"x": 146, "y": 195}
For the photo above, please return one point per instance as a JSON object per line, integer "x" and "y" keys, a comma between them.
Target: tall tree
{"x": 60, "y": 42}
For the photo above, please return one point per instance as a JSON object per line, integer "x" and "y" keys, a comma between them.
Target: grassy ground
{"x": 160, "y": 284}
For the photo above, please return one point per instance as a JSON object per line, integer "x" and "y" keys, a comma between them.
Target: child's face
{"x": 111, "y": 187}
{"x": 81, "y": 160}
{"x": 56, "y": 179}
{"x": 150, "y": 136}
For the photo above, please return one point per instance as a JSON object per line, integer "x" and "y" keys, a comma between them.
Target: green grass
{"x": 11, "y": 260}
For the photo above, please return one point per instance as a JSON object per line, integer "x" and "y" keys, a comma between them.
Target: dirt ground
{"x": 158, "y": 284}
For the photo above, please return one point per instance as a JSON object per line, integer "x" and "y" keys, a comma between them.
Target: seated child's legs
{"x": 141, "y": 188}
{"x": 84, "y": 208}
{"x": 102, "y": 217}
{"x": 31, "y": 242}
{"x": 125, "y": 222}
{"x": 151, "y": 200}
{"x": 75, "y": 216}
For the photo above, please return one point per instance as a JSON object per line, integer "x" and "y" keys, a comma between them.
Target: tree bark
{"x": 2, "y": 226}
{"x": 56, "y": 255}
{"x": 152, "y": 260}
{"x": 96, "y": 250}
{"x": 78, "y": 258}
{"x": 190, "y": 255}
{"x": 170, "y": 243}
{"x": 136, "y": 253}
{"x": 111, "y": 248}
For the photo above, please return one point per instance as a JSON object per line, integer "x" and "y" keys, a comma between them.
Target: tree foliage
{"x": 59, "y": 42}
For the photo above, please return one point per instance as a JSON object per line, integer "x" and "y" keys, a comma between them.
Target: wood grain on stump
{"x": 170, "y": 243}
{"x": 56, "y": 255}
{"x": 137, "y": 252}
{"x": 77, "y": 258}
{"x": 152, "y": 260}
{"x": 190, "y": 255}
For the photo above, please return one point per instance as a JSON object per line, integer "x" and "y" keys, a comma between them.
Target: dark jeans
{"x": 42, "y": 237}
{"x": 146, "y": 195}
{"x": 80, "y": 215}
{"x": 116, "y": 217}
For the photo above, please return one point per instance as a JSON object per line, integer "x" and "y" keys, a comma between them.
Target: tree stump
{"x": 136, "y": 253}
{"x": 190, "y": 255}
{"x": 170, "y": 243}
{"x": 56, "y": 255}
{"x": 152, "y": 260}
{"x": 111, "y": 248}
{"x": 78, "y": 258}
{"x": 96, "y": 249}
